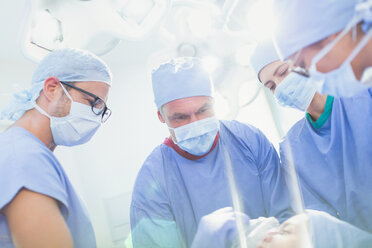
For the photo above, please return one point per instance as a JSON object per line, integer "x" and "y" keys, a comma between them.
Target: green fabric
{"x": 324, "y": 116}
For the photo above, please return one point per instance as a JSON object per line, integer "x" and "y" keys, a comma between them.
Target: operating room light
{"x": 210, "y": 63}
{"x": 200, "y": 23}
{"x": 261, "y": 19}
{"x": 47, "y": 32}
{"x": 243, "y": 53}
{"x": 136, "y": 10}
{"x": 221, "y": 105}
{"x": 97, "y": 26}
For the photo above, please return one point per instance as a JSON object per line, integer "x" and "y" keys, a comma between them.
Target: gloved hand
{"x": 219, "y": 229}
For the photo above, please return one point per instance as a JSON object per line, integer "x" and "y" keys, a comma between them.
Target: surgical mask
{"x": 197, "y": 137}
{"x": 77, "y": 128}
{"x": 295, "y": 91}
{"x": 340, "y": 82}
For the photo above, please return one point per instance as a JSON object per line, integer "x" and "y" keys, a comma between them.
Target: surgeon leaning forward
{"x": 186, "y": 177}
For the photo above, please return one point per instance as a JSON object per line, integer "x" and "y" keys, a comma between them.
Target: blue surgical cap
{"x": 301, "y": 23}
{"x": 67, "y": 64}
{"x": 263, "y": 55}
{"x": 180, "y": 78}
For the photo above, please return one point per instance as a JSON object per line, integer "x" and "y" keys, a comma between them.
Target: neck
{"x": 39, "y": 125}
{"x": 317, "y": 105}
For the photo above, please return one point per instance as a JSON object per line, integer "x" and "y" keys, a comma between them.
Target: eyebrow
{"x": 175, "y": 115}
{"x": 88, "y": 97}
{"x": 206, "y": 105}
{"x": 277, "y": 68}
{"x": 269, "y": 81}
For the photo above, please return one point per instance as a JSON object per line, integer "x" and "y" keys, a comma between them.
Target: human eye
{"x": 98, "y": 103}
{"x": 203, "y": 110}
{"x": 270, "y": 85}
{"x": 179, "y": 118}
{"x": 283, "y": 70}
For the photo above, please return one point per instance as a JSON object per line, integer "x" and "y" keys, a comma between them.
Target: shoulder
{"x": 149, "y": 180}
{"x": 153, "y": 164}
{"x": 294, "y": 131}
{"x": 29, "y": 164}
{"x": 241, "y": 128}
{"x": 23, "y": 152}
{"x": 248, "y": 135}
{"x": 361, "y": 97}
{"x": 252, "y": 141}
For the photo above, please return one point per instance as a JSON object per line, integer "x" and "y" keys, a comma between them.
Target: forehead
{"x": 304, "y": 57}
{"x": 267, "y": 73}
{"x": 99, "y": 89}
{"x": 186, "y": 105}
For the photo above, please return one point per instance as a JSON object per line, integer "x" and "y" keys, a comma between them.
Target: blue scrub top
{"x": 334, "y": 160}
{"x": 26, "y": 162}
{"x": 172, "y": 193}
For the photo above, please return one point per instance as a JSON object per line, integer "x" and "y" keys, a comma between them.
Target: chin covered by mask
{"x": 197, "y": 137}
{"x": 340, "y": 82}
{"x": 77, "y": 128}
{"x": 295, "y": 91}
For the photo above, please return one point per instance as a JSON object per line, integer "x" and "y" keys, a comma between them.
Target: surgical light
{"x": 97, "y": 26}
{"x": 210, "y": 63}
{"x": 261, "y": 19}
{"x": 136, "y": 10}
{"x": 47, "y": 32}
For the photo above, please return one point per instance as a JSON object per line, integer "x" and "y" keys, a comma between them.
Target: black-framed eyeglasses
{"x": 99, "y": 106}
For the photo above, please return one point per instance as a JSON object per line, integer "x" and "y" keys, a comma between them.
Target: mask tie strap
{"x": 367, "y": 37}
{"x": 42, "y": 111}
{"x": 66, "y": 92}
{"x": 328, "y": 47}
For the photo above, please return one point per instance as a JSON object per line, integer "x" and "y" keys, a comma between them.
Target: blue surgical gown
{"x": 330, "y": 232}
{"x": 334, "y": 160}
{"x": 25, "y": 162}
{"x": 172, "y": 193}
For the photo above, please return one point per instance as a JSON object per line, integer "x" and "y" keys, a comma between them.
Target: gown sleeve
{"x": 152, "y": 221}
{"x": 273, "y": 184}
{"x": 33, "y": 170}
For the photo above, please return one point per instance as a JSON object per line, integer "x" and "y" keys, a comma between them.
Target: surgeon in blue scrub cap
{"x": 330, "y": 147}
{"x": 184, "y": 178}
{"x": 334, "y": 47}
{"x": 65, "y": 105}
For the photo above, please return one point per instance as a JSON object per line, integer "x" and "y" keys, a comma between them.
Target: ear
{"x": 161, "y": 119}
{"x": 52, "y": 88}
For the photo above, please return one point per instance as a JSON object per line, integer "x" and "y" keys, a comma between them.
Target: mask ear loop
{"x": 66, "y": 92}
{"x": 42, "y": 111}
{"x": 367, "y": 37}
{"x": 329, "y": 47}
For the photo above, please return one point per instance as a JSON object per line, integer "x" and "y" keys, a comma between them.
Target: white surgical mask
{"x": 77, "y": 128}
{"x": 295, "y": 91}
{"x": 197, "y": 137}
{"x": 340, "y": 82}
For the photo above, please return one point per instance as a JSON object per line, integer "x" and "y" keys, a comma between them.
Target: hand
{"x": 220, "y": 228}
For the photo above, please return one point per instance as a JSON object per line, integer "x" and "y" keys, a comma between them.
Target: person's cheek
{"x": 59, "y": 108}
{"x": 277, "y": 241}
